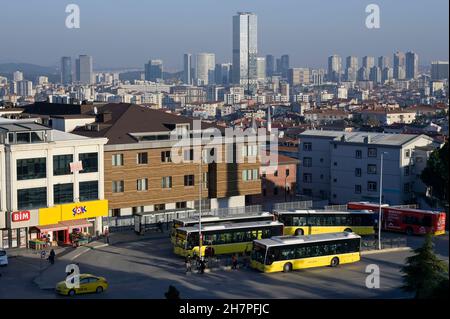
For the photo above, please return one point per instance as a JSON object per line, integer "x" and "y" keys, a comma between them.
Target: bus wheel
{"x": 334, "y": 262}
{"x": 299, "y": 232}
{"x": 287, "y": 267}
{"x": 348, "y": 230}
{"x": 409, "y": 231}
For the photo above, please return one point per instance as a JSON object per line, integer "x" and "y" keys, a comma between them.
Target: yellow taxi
{"x": 88, "y": 284}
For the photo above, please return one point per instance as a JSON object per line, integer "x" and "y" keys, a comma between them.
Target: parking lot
{"x": 145, "y": 269}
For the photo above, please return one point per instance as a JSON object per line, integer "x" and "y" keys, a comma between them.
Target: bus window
{"x": 299, "y": 221}
{"x": 426, "y": 221}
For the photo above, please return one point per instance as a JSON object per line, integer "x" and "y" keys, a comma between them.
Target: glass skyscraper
{"x": 245, "y": 50}
{"x": 66, "y": 70}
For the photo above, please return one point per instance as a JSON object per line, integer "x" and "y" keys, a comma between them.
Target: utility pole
{"x": 380, "y": 202}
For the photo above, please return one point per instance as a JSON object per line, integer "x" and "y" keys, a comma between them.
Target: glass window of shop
{"x": 88, "y": 191}
{"x": 31, "y": 198}
{"x": 61, "y": 164}
{"x": 63, "y": 193}
{"x": 90, "y": 162}
{"x": 31, "y": 168}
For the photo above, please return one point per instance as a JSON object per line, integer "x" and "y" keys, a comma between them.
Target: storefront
{"x": 61, "y": 223}
{"x": 18, "y": 224}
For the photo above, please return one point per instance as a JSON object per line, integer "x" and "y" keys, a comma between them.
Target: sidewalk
{"x": 126, "y": 237}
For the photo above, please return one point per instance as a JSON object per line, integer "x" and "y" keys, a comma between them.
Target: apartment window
{"x": 31, "y": 198}
{"x": 142, "y": 184}
{"x": 358, "y": 154}
{"x": 115, "y": 212}
{"x": 63, "y": 193}
{"x": 358, "y": 172}
{"x": 372, "y": 152}
{"x": 90, "y": 162}
{"x": 159, "y": 207}
{"x": 307, "y": 161}
{"x": 166, "y": 182}
{"x": 358, "y": 189}
{"x": 31, "y": 168}
{"x": 250, "y": 175}
{"x": 118, "y": 186}
{"x": 371, "y": 169}
{"x": 142, "y": 158}
{"x": 406, "y": 188}
{"x": 372, "y": 186}
{"x": 165, "y": 157}
{"x": 406, "y": 170}
{"x": 188, "y": 155}
{"x": 180, "y": 205}
{"x": 88, "y": 190}
{"x": 188, "y": 180}
{"x": 407, "y": 153}
{"x": 205, "y": 180}
{"x": 307, "y": 146}
{"x": 61, "y": 164}
{"x": 117, "y": 160}
{"x": 250, "y": 150}
{"x": 287, "y": 172}
{"x": 275, "y": 173}
{"x": 307, "y": 178}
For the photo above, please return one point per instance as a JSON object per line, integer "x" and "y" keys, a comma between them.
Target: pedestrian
{"x": 188, "y": 264}
{"x": 202, "y": 266}
{"x": 234, "y": 262}
{"x": 107, "y": 235}
{"x": 51, "y": 257}
{"x": 160, "y": 226}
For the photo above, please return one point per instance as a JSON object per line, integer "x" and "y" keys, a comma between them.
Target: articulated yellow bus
{"x": 311, "y": 222}
{"x": 286, "y": 253}
{"x": 222, "y": 239}
{"x": 192, "y": 221}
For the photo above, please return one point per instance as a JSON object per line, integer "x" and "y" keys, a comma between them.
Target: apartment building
{"x": 141, "y": 174}
{"x": 51, "y": 183}
{"x": 343, "y": 167}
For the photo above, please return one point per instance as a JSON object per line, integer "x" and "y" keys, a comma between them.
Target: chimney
{"x": 367, "y": 139}
{"x": 104, "y": 117}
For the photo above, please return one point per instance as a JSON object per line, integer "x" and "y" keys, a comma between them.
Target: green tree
{"x": 424, "y": 274}
{"x": 435, "y": 175}
{"x": 172, "y": 293}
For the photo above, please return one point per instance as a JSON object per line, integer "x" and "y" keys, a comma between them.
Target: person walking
{"x": 188, "y": 264}
{"x": 107, "y": 235}
{"x": 202, "y": 266}
{"x": 234, "y": 262}
{"x": 51, "y": 257}
{"x": 160, "y": 226}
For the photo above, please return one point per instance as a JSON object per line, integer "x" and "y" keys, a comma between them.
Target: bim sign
{"x": 21, "y": 216}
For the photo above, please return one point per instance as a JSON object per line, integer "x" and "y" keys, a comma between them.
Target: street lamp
{"x": 200, "y": 197}
{"x": 381, "y": 196}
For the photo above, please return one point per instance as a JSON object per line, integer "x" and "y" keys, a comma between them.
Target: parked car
{"x": 3, "y": 258}
{"x": 88, "y": 284}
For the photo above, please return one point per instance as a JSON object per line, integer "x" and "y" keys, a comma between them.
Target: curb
{"x": 387, "y": 250}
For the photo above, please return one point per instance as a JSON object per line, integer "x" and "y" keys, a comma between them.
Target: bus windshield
{"x": 258, "y": 253}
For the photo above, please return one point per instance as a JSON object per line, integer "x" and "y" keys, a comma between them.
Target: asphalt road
{"x": 145, "y": 269}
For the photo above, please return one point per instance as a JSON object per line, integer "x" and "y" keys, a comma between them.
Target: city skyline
{"x": 217, "y": 37}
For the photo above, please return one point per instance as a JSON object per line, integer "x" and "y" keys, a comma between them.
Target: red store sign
{"x": 21, "y": 216}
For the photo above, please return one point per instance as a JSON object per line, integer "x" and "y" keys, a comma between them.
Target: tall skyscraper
{"x": 154, "y": 70}
{"x": 261, "y": 68}
{"x": 439, "y": 70}
{"x": 368, "y": 62}
{"x": 270, "y": 65}
{"x": 387, "y": 74}
{"x": 18, "y": 76}
{"x": 83, "y": 70}
{"x": 222, "y": 73}
{"x": 187, "y": 67}
{"x": 245, "y": 49}
{"x": 66, "y": 70}
{"x": 412, "y": 65}
{"x": 334, "y": 68}
{"x": 399, "y": 66}
{"x": 298, "y": 76}
{"x": 284, "y": 61}
{"x": 204, "y": 68}
{"x": 351, "y": 68}
{"x": 375, "y": 74}
{"x": 24, "y": 88}
{"x": 383, "y": 62}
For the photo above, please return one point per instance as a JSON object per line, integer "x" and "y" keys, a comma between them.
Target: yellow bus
{"x": 286, "y": 253}
{"x": 311, "y": 222}
{"x": 222, "y": 239}
{"x": 192, "y": 221}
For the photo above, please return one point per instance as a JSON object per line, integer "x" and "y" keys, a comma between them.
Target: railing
{"x": 293, "y": 205}
{"x": 338, "y": 208}
{"x": 372, "y": 243}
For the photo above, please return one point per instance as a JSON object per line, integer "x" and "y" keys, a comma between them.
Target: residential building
{"x": 439, "y": 70}
{"x": 66, "y": 70}
{"x": 270, "y": 65}
{"x": 344, "y": 167}
{"x": 399, "y": 66}
{"x": 334, "y": 68}
{"x": 298, "y": 76}
{"x": 261, "y": 69}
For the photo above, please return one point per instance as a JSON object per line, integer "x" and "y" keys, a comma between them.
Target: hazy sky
{"x": 128, "y": 33}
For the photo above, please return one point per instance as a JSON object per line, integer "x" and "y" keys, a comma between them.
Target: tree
{"x": 172, "y": 293}
{"x": 424, "y": 274}
{"x": 435, "y": 175}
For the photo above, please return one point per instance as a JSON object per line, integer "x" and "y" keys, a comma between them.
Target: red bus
{"x": 406, "y": 220}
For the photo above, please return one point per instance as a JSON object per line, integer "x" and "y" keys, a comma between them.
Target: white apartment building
{"x": 344, "y": 167}
{"x": 51, "y": 183}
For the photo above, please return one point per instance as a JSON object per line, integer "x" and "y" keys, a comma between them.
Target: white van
{"x": 3, "y": 258}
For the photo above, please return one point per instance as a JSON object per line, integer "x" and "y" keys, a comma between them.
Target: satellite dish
{"x": 95, "y": 110}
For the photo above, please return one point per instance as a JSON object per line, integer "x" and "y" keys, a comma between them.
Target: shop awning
{"x": 52, "y": 227}
{"x": 77, "y": 223}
